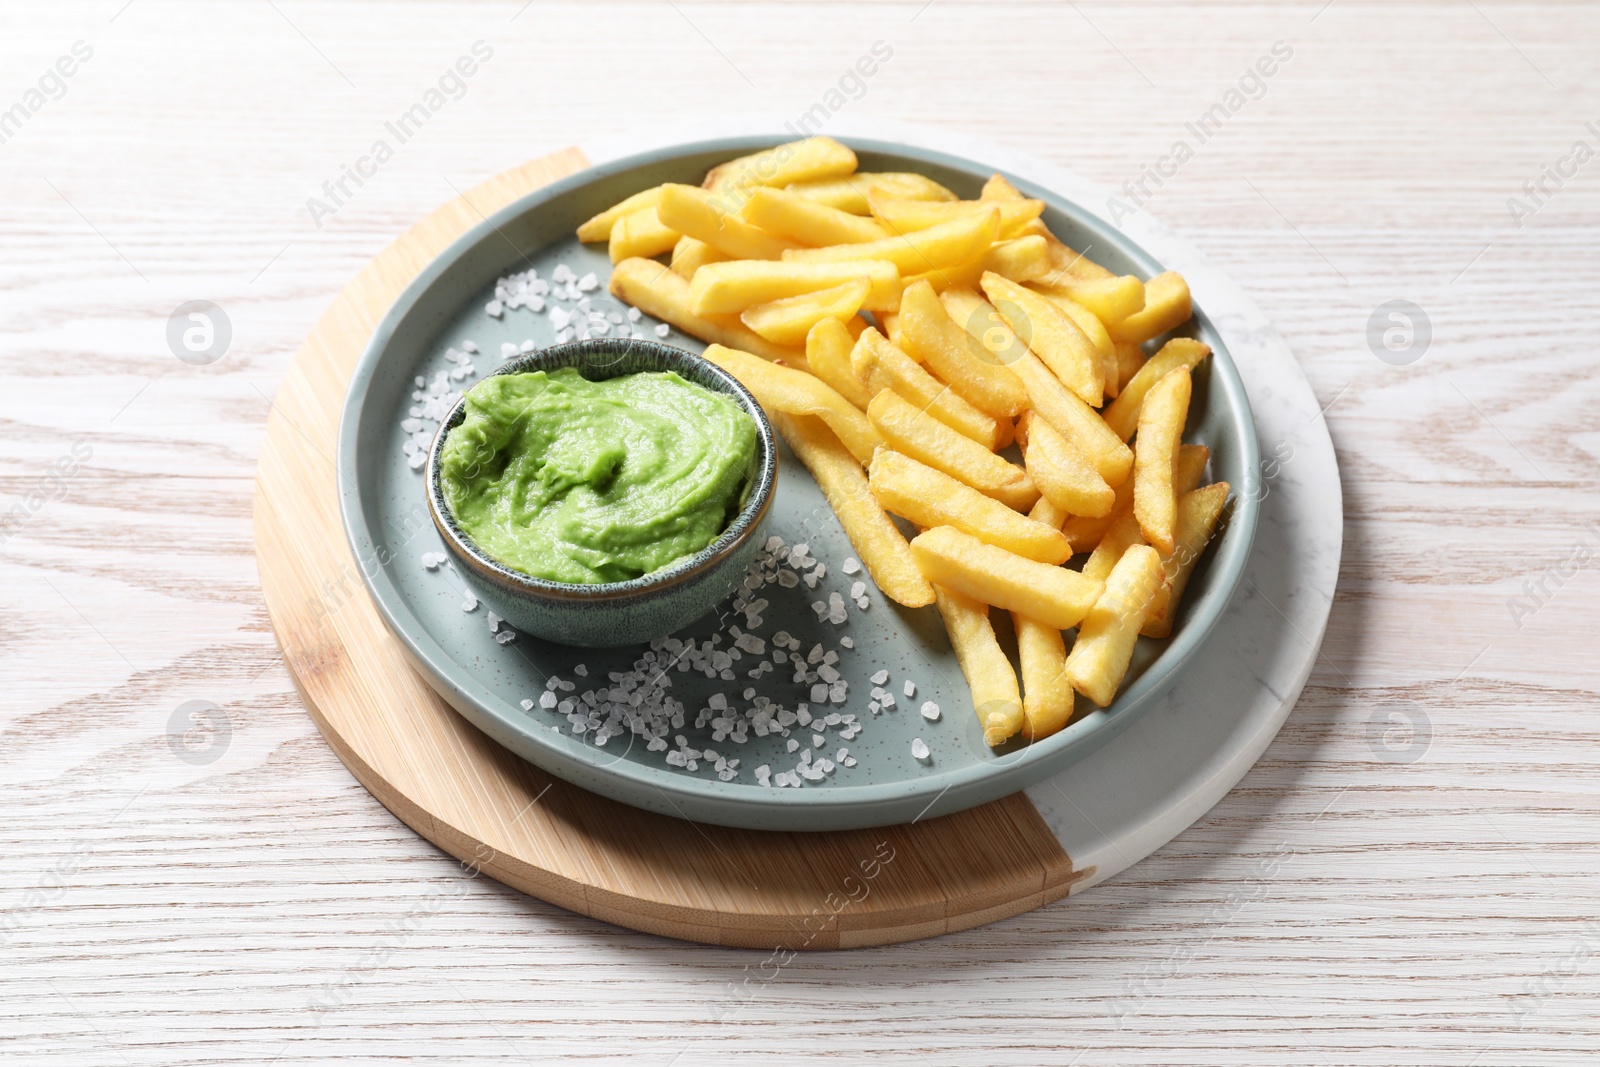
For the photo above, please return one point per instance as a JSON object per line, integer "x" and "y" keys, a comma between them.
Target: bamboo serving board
{"x": 492, "y": 810}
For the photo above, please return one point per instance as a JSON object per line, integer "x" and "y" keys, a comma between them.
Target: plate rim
{"x": 772, "y": 808}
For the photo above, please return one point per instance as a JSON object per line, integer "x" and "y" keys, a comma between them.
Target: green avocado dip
{"x": 577, "y": 481}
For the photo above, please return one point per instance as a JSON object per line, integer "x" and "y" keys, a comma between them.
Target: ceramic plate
{"x": 440, "y": 337}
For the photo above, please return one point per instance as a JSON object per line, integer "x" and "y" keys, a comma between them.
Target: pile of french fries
{"x": 901, "y": 338}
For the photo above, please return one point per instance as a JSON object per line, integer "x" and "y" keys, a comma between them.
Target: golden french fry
{"x": 883, "y": 365}
{"x": 1122, "y": 414}
{"x": 929, "y": 497}
{"x": 808, "y": 222}
{"x": 689, "y": 255}
{"x": 599, "y": 227}
{"x": 1110, "y": 299}
{"x": 1198, "y": 513}
{"x": 916, "y": 433}
{"x": 655, "y": 290}
{"x": 850, "y": 193}
{"x": 641, "y": 234}
{"x": 1130, "y": 357}
{"x": 959, "y": 561}
{"x": 1046, "y": 512}
{"x": 1060, "y": 471}
{"x": 998, "y": 188}
{"x": 907, "y": 215}
{"x": 1104, "y": 645}
{"x": 787, "y": 321}
{"x": 691, "y": 211}
{"x": 1155, "y": 449}
{"x": 730, "y": 287}
{"x": 1088, "y": 322}
{"x": 1051, "y": 334}
{"x": 813, "y": 159}
{"x": 1054, "y": 403}
{"x": 993, "y": 683}
{"x": 1066, "y": 262}
{"x": 954, "y": 355}
{"x": 940, "y": 246}
{"x": 797, "y": 392}
{"x": 828, "y": 347}
{"x": 891, "y": 329}
{"x": 1047, "y": 696}
{"x": 875, "y": 537}
{"x": 1108, "y": 537}
{"x": 1167, "y": 305}
{"x": 1020, "y": 259}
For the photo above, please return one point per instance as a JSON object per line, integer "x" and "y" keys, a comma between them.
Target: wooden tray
{"x": 490, "y": 809}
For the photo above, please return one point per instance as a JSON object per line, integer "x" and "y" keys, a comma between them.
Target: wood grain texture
{"x": 1342, "y": 906}
{"x": 499, "y": 815}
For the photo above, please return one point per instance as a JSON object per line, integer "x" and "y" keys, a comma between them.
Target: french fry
{"x": 828, "y": 348}
{"x": 883, "y": 365}
{"x": 915, "y": 433}
{"x": 808, "y": 222}
{"x": 1060, "y": 471}
{"x": 1020, "y": 259}
{"x": 599, "y": 227}
{"x": 1198, "y": 513}
{"x": 1052, "y": 595}
{"x": 813, "y": 159}
{"x": 905, "y": 216}
{"x": 1088, "y": 322}
{"x": 1051, "y": 334}
{"x": 641, "y": 233}
{"x": 998, "y": 188}
{"x": 1104, "y": 645}
{"x": 690, "y": 211}
{"x": 993, "y": 683}
{"x": 929, "y": 497}
{"x": 890, "y": 321}
{"x": 1130, "y": 357}
{"x": 1067, "y": 262}
{"x": 796, "y": 392}
{"x": 1122, "y": 414}
{"x": 945, "y": 245}
{"x": 787, "y": 321}
{"x": 1047, "y": 513}
{"x": 931, "y": 336}
{"x": 1076, "y": 421}
{"x": 657, "y": 291}
{"x": 1110, "y": 299}
{"x": 689, "y": 255}
{"x": 729, "y": 288}
{"x": 1047, "y": 696}
{"x": 1108, "y": 536}
{"x": 1167, "y": 305}
{"x": 1155, "y": 449}
{"x": 875, "y": 537}
{"x": 850, "y": 193}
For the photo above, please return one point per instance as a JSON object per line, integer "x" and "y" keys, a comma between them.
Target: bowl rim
{"x": 740, "y": 529}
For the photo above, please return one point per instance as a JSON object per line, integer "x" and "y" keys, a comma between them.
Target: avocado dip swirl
{"x": 584, "y": 481}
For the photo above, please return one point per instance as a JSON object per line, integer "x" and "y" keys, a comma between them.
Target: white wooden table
{"x": 1407, "y": 877}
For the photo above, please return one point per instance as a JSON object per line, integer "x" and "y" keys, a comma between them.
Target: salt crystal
{"x": 919, "y": 748}
{"x": 819, "y": 740}
{"x": 879, "y": 677}
{"x": 547, "y": 699}
{"x": 847, "y": 642}
{"x": 910, "y": 688}
{"x": 470, "y": 603}
{"x": 588, "y": 283}
{"x": 494, "y": 622}
{"x": 663, "y": 329}
{"x": 852, "y": 566}
{"x": 792, "y": 745}
{"x": 930, "y": 710}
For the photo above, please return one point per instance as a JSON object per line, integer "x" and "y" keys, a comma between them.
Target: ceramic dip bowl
{"x": 643, "y": 608}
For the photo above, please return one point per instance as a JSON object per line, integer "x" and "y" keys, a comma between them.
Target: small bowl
{"x": 640, "y": 609}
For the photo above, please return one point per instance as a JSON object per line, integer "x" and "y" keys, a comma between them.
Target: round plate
{"x": 492, "y": 683}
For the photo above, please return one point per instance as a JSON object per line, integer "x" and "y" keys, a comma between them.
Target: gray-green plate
{"x": 487, "y": 681}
